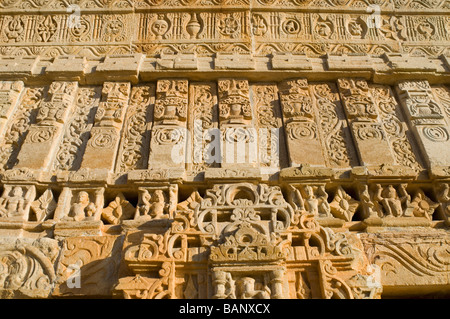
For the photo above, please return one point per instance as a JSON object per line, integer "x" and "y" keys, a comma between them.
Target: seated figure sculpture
{"x": 82, "y": 208}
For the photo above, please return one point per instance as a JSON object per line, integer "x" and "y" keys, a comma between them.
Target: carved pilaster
{"x": 368, "y": 133}
{"x": 101, "y": 149}
{"x": 302, "y": 134}
{"x": 427, "y": 121}
{"x": 239, "y": 136}
{"x": 42, "y": 139}
{"x": 169, "y": 134}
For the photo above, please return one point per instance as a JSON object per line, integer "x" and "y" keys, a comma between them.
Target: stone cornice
{"x": 388, "y": 69}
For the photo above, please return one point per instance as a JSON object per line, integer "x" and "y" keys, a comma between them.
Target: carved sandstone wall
{"x": 224, "y": 149}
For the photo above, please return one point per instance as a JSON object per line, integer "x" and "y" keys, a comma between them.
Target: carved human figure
{"x": 246, "y": 287}
{"x": 311, "y": 202}
{"x": 158, "y": 205}
{"x": 82, "y": 208}
{"x": 367, "y": 204}
{"x": 153, "y": 205}
{"x": 296, "y": 199}
{"x": 443, "y": 196}
{"x": 390, "y": 200}
{"x": 15, "y": 203}
{"x": 324, "y": 206}
{"x": 144, "y": 207}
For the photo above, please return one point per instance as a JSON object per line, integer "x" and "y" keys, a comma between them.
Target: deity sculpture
{"x": 82, "y": 208}
{"x": 391, "y": 201}
{"x": 153, "y": 205}
{"x": 14, "y": 203}
{"x": 246, "y": 287}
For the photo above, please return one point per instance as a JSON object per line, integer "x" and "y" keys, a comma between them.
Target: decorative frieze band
{"x": 210, "y": 32}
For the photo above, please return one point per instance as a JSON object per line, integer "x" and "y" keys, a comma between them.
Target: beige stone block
{"x": 234, "y": 61}
{"x": 180, "y": 61}
{"x": 304, "y": 146}
{"x": 406, "y": 62}
{"x": 67, "y": 67}
{"x": 19, "y": 66}
{"x": 65, "y": 229}
{"x": 289, "y": 61}
{"x": 120, "y": 68}
{"x": 101, "y": 149}
{"x": 351, "y": 63}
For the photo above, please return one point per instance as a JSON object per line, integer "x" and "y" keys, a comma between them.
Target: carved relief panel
{"x": 315, "y": 126}
{"x": 9, "y": 96}
{"x": 204, "y": 146}
{"x": 134, "y": 145}
{"x": 77, "y": 130}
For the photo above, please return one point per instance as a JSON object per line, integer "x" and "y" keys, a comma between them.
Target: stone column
{"x": 277, "y": 284}
{"x": 102, "y": 147}
{"x": 169, "y": 134}
{"x": 219, "y": 283}
{"x": 368, "y": 133}
{"x": 427, "y": 121}
{"x": 43, "y": 137}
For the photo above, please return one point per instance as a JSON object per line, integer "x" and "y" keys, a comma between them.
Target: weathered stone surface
{"x": 224, "y": 149}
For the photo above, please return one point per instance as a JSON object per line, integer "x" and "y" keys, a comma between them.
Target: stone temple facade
{"x": 224, "y": 149}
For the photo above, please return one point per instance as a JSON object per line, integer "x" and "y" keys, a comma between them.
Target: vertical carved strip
{"x": 17, "y": 127}
{"x": 43, "y": 137}
{"x": 101, "y": 149}
{"x": 369, "y": 135}
{"x": 9, "y": 96}
{"x": 71, "y": 149}
{"x": 133, "y": 150}
{"x": 427, "y": 121}
{"x": 335, "y": 135}
{"x": 394, "y": 126}
{"x": 272, "y": 151}
{"x": 203, "y": 127}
